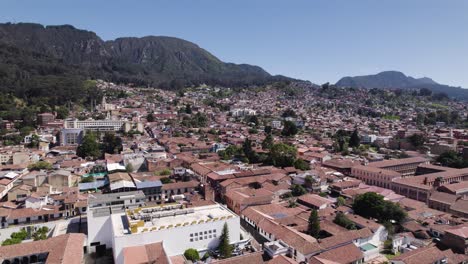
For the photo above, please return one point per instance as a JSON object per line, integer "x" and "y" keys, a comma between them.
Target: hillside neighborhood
{"x": 294, "y": 174}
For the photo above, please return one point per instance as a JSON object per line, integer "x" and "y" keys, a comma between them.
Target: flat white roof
{"x": 199, "y": 215}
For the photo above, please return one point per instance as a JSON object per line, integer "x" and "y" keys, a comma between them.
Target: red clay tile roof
{"x": 314, "y": 199}
{"x": 396, "y": 162}
{"x": 421, "y": 255}
{"x": 345, "y": 254}
{"x": 253, "y": 258}
{"x": 150, "y": 253}
{"x": 67, "y": 249}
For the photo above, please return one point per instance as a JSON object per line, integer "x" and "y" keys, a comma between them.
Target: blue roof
{"x": 91, "y": 185}
{"x": 148, "y": 184}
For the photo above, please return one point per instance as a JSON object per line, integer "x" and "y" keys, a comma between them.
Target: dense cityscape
{"x": 150, "y": 149}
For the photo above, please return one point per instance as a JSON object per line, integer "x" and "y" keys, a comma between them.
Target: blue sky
{"x": 316, "y": 40}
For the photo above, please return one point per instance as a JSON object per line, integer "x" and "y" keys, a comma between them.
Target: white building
{"x": 180, "y": 228}
{"x": 238, "y": 112}
{"x": 101, "y": 125}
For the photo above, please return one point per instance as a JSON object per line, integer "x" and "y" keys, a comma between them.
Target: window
{"x": 206, "y": 232}
{"x": 191, "y": 235}
{"x": 191, "y": 240}
{"x": 201, "y": 233}
{"x": 206, "y": 237}
{"x": 209, "y": 231}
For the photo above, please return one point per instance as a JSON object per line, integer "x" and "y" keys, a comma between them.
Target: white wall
{"x": 177, "y": 239}
{"x": 100, "y": 230}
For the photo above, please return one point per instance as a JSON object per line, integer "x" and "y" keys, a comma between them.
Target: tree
{"x": 308, "y": 181}
{"x": 452, "y": 159}
{"x": 150, "y": 117}
{"x": 301, "y": 164}
{"x": 26, "y": 130}
{"x": 289, "y": 113}
{"x": 417, "y": 140}
{"x": 373, "y": 205}
{"x": 342, "y": 220}
{"x": 292, "y": 203}
{"x": 188, "y": 109}
{"x": 340, "y": 201}
{"x": 192, "y": 254}
{"x": 40, "y": 233}
{"x": 165, "y": 180}
{"x": 230, "y": 152}
{"x": 354, "y": 140}
{"x": 388, "y": 246}
{"x": 129, "y": 167}
{"x": 89, "y": 148}
{"x": 268, "y": 129}
{"x": 289, "y": 129}
{"x": 252, "y": 119}
{"x": 313, "y": 228}
{"x": 111, "y": 144}
{"x": 40, "y": 165}
{"x": 298, "y": 190}
{"x": 283, "y": 155}
{"x": 165, "y": 172}
{"x": 62, "y": 112}
{"x": 267, "y": 143}
{"x": 34, "y": 141}
{"x": 225, "y": 248}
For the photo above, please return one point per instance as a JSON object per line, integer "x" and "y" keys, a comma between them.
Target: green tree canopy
{"x": 150, "y": 117}
{"x": 373, "y": 205}
{"x": 40, "y": 165}
{"x": 313, "y": 227}
{"x": 283, "y": 155}
{"x": 111, "y": 144}
{"x": 354, "y": 140}
{"x": 267, "y": 143}
{"x": 225, "y": 248}
{"x": 289, "y": 129}
{"x": 342, "y": 220}
{"x": 452, "y": 159}
{"x": 89, "y": 148}
{"x": 298, "y": 190}
{"x": 192, "y": 254}
{"x": 301, "y": 164}
{"x": 417, "y": 140}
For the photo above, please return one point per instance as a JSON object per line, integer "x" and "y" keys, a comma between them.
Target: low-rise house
{"x": 66, "y": 249}
{"x": 59, "y": 179}
{"x": 457, "y": 239}
{"x": 314, "y": 201}
{"x": 238, "y": 199}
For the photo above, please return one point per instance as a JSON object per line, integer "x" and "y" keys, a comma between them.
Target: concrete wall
{"x": 177, "y": 239}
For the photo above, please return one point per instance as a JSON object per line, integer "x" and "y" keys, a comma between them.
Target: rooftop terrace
{"x": 155, "y": 218}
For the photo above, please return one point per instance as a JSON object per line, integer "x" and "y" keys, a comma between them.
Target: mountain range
{"x": 159, "y": 61}
{"x": 398, "y": 80}
{"x": 34, "y": 57}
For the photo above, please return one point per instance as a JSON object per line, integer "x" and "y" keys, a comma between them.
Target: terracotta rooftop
{"x": 345, "y": 254}
{"x": 67, "y": 249}
{"x": 150, "y": 253}
{"x": 421, "y": 255}
{"x": 253, "y": 258}
{"x": 397, "y": 162}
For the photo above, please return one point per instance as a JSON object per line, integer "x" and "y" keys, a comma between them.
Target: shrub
{"x": 191, "y": 254}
